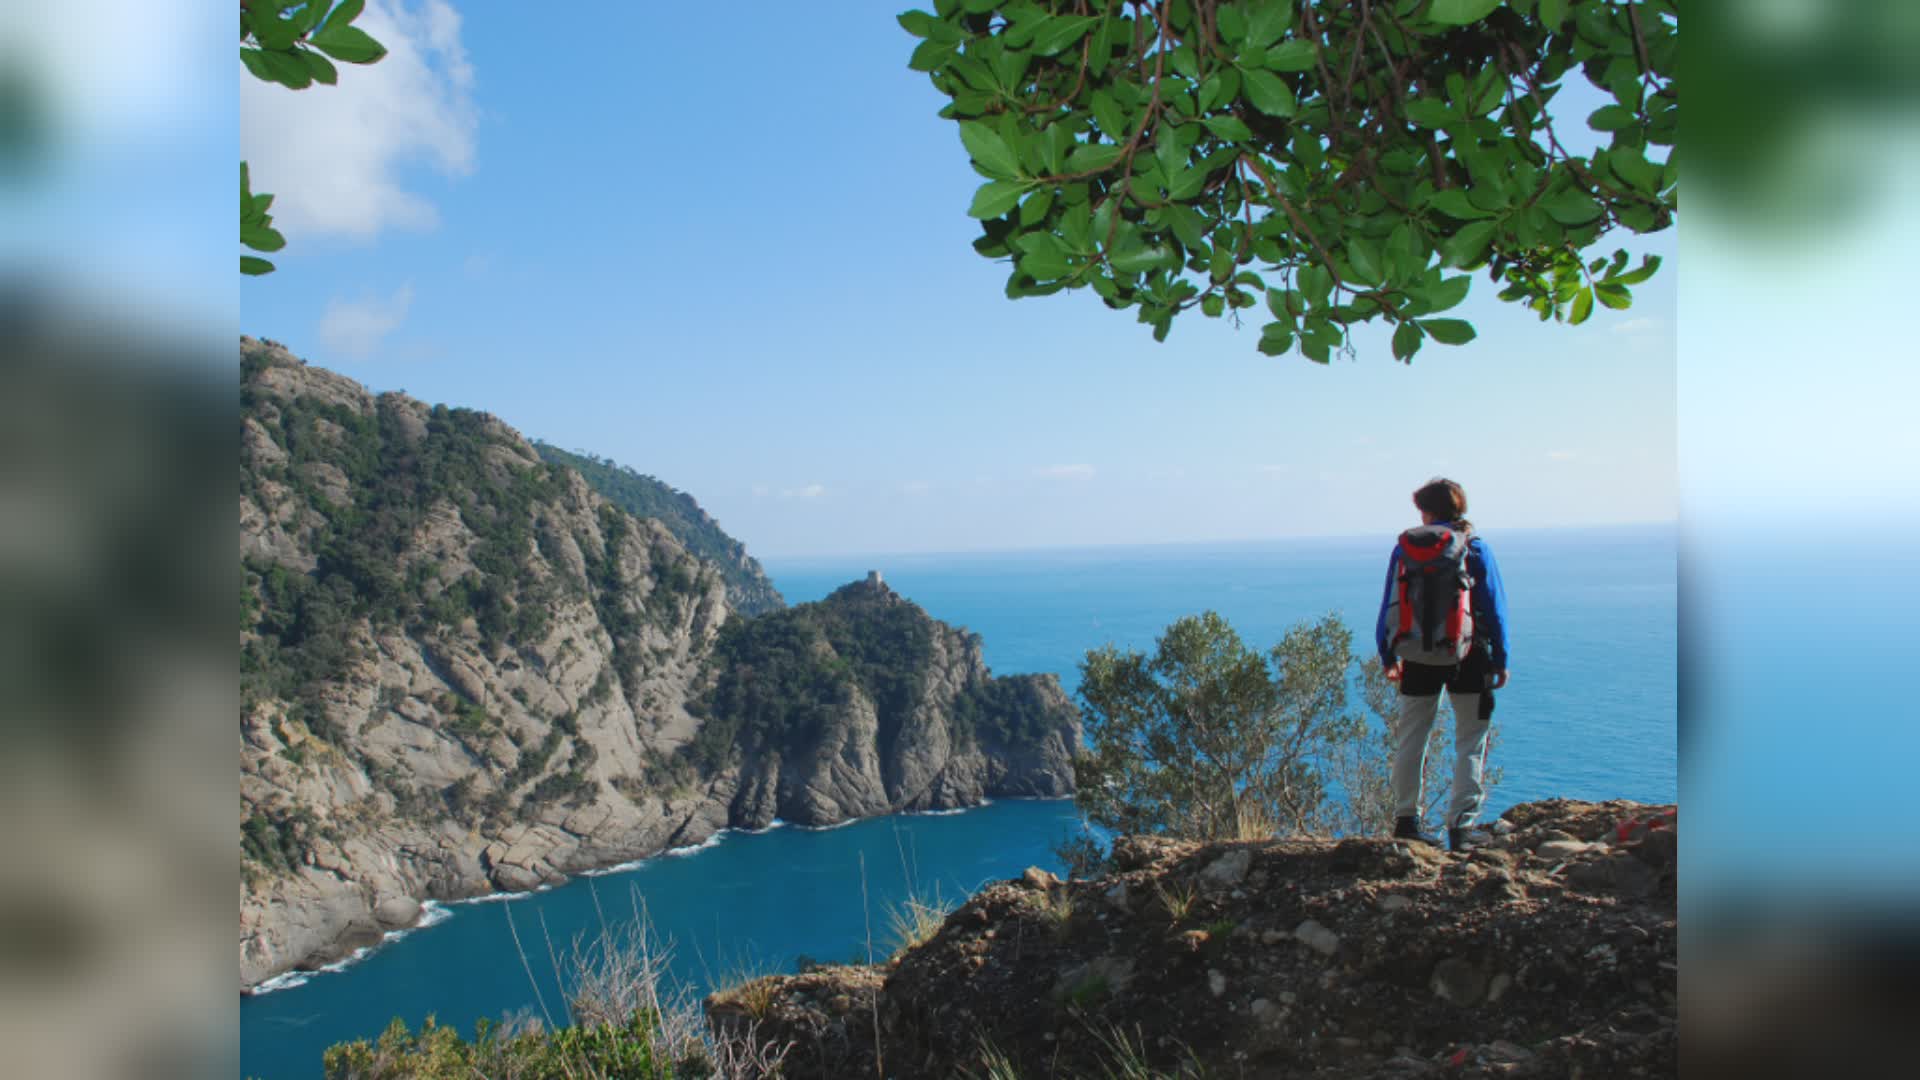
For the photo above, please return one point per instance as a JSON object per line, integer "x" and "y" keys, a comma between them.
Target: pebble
{"x": 1229, "y": 869}
{"x": 1317, "y": 937}
{"x": 1216, "y": 983}
{"x": 1499, "y": 986}
{"x": 1263, "y": 1010}
{"x": 1561, "y": 849}
{"x": 1272, "y": 937}
{"x": 1395, "y": 902}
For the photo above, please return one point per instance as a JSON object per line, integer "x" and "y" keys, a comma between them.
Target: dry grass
{"x": 915, "y": 920}
{"x": 1177, "y": 900}
{"x": 1056, "y": 911}
{"x": 1254, "y": 822}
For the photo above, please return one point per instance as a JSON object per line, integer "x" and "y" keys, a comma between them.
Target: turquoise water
{"x": 1590, "y": 714}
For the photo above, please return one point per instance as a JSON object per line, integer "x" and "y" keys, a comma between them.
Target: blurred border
{"x": 1800, "y": 900}
{"x": 118, "y": 319}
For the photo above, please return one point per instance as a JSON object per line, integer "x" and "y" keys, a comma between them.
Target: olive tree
{"x": 1209, "y": 739}
{"x": 1206, "y": 738}
{"x": 1331, "y": 162}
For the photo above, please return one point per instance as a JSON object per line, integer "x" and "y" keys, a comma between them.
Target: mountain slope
{"x": 748, "y": 590}
{"x": 464, "y": 670}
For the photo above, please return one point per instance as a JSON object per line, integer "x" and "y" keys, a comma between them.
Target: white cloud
{"x": 1065, "y": 472}
{"x": 1560, "y": 455}
{"x": 915, "y": 487}
{"x": 332, "y": 155}
{"x": 761, "y": 491}
{"x": 357, "y": 327}
{"x": 1643, "y": 324}
{"x": 811, "y": 491}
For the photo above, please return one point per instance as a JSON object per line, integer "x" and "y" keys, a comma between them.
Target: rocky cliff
{"x": 1551, "y": 953}
{"x": 748, "y": 590}
{"x": 463, "y": 670}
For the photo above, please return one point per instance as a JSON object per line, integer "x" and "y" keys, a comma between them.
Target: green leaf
{"x": 1045, "y": 265}
{"x": 1231, "y": 128}
{"x": 1106, "y": 112}
{"x": 1469, "y": 245}
{"x": 347, "y": 44}
{"x": 1453, "y": 203}
{"x": 261, "y": 238}
{"x": 1430, "y": 113}
{"x": 989, "y": 151}
{"x": 1092, "y": 157}
{"x": 1365, "y": 261}
{"x": 1448, "y": 331}
{"x": 1139, "y": 260}
{"x": 930, "y": 56}
{"x": 1613, "y": 294}
{"x": 274, "y": 33}
{"x": 1267, "y": 25}
{"x": 322, "y": 69}
{"x": 1461, "y": 12}
{"x": 1449, "y": 292}
{"x": 1582, "y": 307}
{"x": 1571, "y": 207}
{"x": 996, "y": 198}
{"x": 1061, "y": 32}
{"x": 916, "y": 22}
{"x": 277, "y": 67}
{"x": 1406, "y": 340}
{"x": 1648, "y": 264}
{"x": 1290, "y": 56}
{"x": 1610, "y": 118}
{"x": 1270, "y": 93}
{"x": 348, "y": 11}
{"x": 253, "y": 264}
{"x": 1552, "y": 13}
{"x": 1034, "y": 210}
{"x": 1186, "y": 183}
{"x": 1276, "y": 339}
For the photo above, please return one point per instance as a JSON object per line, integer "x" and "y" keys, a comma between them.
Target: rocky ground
{"x": 1549, "y": 953}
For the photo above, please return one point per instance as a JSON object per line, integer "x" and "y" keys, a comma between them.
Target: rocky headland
{"x": 465, "y": 670}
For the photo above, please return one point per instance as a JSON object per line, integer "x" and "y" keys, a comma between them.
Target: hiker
{"x": 1443, "y": 624}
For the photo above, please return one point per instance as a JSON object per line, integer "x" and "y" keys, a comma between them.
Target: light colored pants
{"x": 1410, "y": 734}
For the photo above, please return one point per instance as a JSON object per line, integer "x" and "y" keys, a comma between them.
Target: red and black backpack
{"x": 1431, "y": 608}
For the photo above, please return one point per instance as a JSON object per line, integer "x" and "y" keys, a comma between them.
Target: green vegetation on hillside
{"x": 748, "y": 590}
{"x": 780, "y": 675}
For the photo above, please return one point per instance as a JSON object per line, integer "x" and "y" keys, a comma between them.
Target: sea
{"x": 1589, "y": 713}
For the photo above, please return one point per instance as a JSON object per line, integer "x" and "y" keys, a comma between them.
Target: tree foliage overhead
{"x": 289, "y": 42}
{"x": 1316, "y": 163}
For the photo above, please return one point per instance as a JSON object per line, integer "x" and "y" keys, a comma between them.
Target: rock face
{"x": 748, "y": 590}
{"x": 1357, "y": 958}
{"x": 464, "y": 671}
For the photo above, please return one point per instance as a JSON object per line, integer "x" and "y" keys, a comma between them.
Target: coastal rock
{"x": 495, "y": 678}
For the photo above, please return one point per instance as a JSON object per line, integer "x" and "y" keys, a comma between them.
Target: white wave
{"x": 695, "y": 849}
{"x": 939, "y": 813}
{"x": 432, "y": 913}
{"x": 776, "y": 823}
{"x": 617, "y": 868}
{"x": 824, "y": 828}
{"x": 494, "y": 898}
{"x": 284, "y": 981}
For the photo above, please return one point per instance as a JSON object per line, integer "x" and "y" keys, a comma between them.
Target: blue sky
{"x": 735, "y": 255}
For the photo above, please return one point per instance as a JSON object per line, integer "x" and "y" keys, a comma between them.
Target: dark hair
{"x": 1445, "y": 500}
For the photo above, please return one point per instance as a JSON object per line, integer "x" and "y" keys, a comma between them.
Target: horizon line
{"x": 1135, "y": 544}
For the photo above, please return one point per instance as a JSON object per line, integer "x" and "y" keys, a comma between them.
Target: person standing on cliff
{"x": 1442, "y": 625}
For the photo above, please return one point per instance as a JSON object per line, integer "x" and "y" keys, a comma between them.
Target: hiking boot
{"x": 1407, "y": 828}
{"x": 1467, "y": 837}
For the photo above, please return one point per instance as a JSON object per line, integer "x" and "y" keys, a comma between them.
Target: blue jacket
{"x": 1489, "y": 605}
